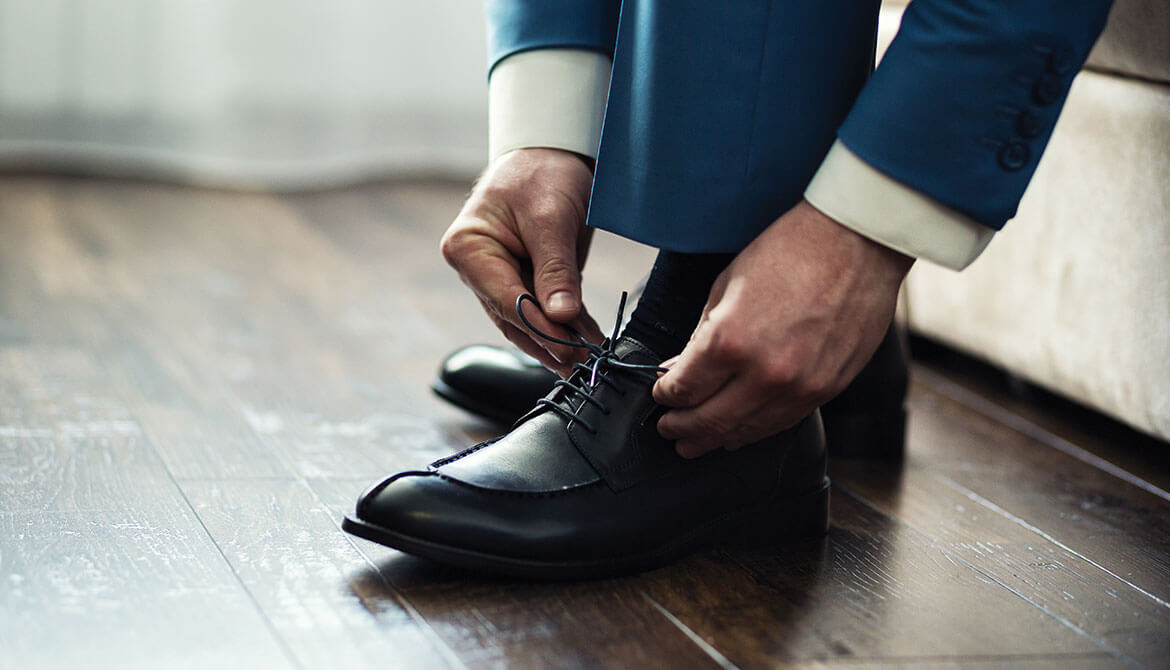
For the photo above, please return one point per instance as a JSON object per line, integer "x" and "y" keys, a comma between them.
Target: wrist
{"x": 552, "y": 152}
{"x": 868, "y": 253}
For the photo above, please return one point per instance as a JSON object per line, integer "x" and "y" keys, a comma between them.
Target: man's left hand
{"x": 786, "y": 327}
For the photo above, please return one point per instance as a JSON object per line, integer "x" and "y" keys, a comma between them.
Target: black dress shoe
{"x": 583, "y": 486}
{"x": 495, "y": 383}
{"x": 866, "y": 421}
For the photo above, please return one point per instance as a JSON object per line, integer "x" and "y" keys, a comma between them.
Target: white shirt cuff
{"x": 553, "y": 98}
{"x": 870, "y": 203}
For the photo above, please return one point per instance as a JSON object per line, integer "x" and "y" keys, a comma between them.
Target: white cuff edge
{"x": 874, "y": 205}
{"x": 552, "y": 98}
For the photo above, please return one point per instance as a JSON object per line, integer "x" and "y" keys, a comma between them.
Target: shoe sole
{"x": 476, "y": 407}
{"x": 789, "y": 520}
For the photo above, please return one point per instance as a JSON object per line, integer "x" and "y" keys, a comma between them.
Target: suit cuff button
{"x": 1029, "y": 124}
{"x": 1014, "y": 155}
{"x": 1046, "y": 90}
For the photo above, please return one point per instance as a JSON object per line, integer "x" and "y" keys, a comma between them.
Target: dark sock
{"x": 673, "y": 301}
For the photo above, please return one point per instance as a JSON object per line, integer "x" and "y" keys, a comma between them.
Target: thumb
{"x": 556, "y": 276}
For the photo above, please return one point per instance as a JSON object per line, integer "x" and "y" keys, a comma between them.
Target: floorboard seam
{"x": 1115, "y": 653}
{"x": 709, "y": 650}
{"x": 239, "y": 580}
{"x": 989, "y": 409}
{"x": 978, "y": 499}
{"x": 441, "y": 647}
{"x": 295, "y": 475}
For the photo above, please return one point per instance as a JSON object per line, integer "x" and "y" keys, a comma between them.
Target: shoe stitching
{"x": 447, "y": 460}
{"x": 559, "y": 493}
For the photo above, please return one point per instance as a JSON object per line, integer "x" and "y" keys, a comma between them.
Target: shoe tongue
{"x": 629, "y": 350}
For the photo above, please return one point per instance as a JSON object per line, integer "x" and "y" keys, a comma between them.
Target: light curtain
{"x": 251, "y": 93}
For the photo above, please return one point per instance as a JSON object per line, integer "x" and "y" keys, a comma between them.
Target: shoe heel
{"x": 785, "y": 520}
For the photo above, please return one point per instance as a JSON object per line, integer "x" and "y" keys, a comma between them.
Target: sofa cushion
{"x": 1136, "y": 41}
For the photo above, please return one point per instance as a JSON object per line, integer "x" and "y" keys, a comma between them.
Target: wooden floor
{"x": 195, "y": 386}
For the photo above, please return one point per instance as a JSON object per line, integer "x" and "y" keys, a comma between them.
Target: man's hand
{"x": 522, "y": 230}
{"x": 786, "y": 327}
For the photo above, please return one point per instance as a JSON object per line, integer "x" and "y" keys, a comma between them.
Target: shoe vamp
{"x": 586, "y": 523}
{"x": 535, "y": 457}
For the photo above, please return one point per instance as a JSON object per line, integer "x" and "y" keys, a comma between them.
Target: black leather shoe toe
{"x": 583, "y": 486}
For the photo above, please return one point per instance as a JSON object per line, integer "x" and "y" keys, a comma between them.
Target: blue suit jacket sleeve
{"x": 966, "y": 97}
{"x": 520, "y": 25}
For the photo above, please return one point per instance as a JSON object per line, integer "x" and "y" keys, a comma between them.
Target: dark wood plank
{"x": 875, "y": 590}
{"x": 1121, "y": 527}
{"x": 287, "y": 348}
{"x": 66, "y": 443}
{"x": 1054, "y": 662}
{"x": 1007, "y": 549}
{"x": 1054, "y": 419}
{"x": 125, "y": 589}
{"x": 63, "y": 293}
{"x": 504, "y": 623}
{"x": 1076, "y": 541}
{"x": 104, "y": 562}
{"x": 286, "y": 548}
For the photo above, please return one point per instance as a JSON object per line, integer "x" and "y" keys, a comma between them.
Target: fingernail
{"x": 561, "y": 301}
{"x": 668, "y": 363}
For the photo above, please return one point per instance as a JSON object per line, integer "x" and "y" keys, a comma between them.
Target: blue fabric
{"x": 945, "y": 104}
{"x": 521, "y": 25}
{"x": 719, "y": 113}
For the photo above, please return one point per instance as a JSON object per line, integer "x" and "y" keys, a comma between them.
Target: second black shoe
{"x": 583, "y": 486}
{"x": 495, "y": 383}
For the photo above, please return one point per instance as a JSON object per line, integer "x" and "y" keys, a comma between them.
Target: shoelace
{"x": 601, "y": 357}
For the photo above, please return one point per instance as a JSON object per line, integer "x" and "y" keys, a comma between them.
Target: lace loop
{"x": 601, "y": 357}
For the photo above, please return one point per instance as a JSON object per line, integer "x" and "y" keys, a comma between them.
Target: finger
{"x": 496, "y": 281}
{"x": 730, "y": 419}
{"x": 694, "y": 376}
{"x": 555, "y": 260}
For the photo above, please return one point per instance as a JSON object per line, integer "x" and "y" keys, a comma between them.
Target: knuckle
{"x": 727, "y": 345}
{"x": 453, "y": 244}
{"x": 815, "y": 388}
{"x": 490, "y": 195}
{"x": 556, "y": 270}
{"x": 551, "y": 206}
{"x": 779, "y": 372}
{"x": 679, "y": 391}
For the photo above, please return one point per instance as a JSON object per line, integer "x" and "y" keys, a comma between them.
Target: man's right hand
{"x": 522, "y": 230}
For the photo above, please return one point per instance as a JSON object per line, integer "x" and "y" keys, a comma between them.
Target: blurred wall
{"x": 267, "y": 93}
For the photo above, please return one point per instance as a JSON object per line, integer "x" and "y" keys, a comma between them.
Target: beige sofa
{"x": 1074, "y": 295}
